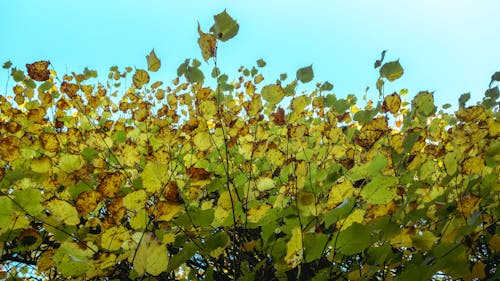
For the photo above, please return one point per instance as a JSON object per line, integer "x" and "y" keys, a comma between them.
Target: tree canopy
{"x": 245, "y": 180}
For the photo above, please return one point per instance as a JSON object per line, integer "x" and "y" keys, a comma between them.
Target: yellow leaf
{"x": 151, "y": 257}
{"x": 264, "y": 184}
{"x": 208, "y": 44}
{"x": 69, "y": 163}
{"x": 338, "y": 193}
{"x": 392, "y": 103}
{"x": 135, "y": 200}
{"x": 356, "y": 216}
{"x": 140, "y": 78}
{"x": 155, "y": 176}
{"x": 140, "y": 220}
{"x": 113, "y": 238}
{"x": 42, "y": 165}
{"x": 257, "y": 212}
{"x": 63, "y": 212}
{"x": 294, "y": 249}
{"x": 202, "y": 141}
{"x": 165, "y": 211}
{"x": 153, "y": 62}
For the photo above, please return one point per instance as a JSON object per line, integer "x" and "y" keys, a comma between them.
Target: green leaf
{"x": 72, "y": 260}
{"x": 194, "y": 75}
{"x": 314, "y": 244}
{"x": 119, "y": 137}
{"x": 183, "y": 67}
{"x": 365, "y": 116}
{"x": 354, "y": 239}
{"x": 261, "y": 63}
{"x": 272, "y": 93}
{"x": 494, "y": 77}
{"x": 153, "y": 61}
{"x": 305, "y": 74}
{"x": 70, "y": 163}
{"x": 29, "y": 200}
{"x": 380, "y": 190}
{"x": 326, "y": 86}
{"x": 410, "y": 141}
{"x": 17, "y": 75}
{"x": 6, "y": 214}
{"x": 379, "y": 62}
{"x": 7, "y": 65}
{"x": 368, "y": 170}
{"x": 391, "y": 70}
{"x": 225, "y": 26}
{"x": 89, "y": 154}
{"x": 463, "y": 99}
{"x": 423, "y": 104}
{"x": 340, "y": 212}
{"x": 283, "y": 76}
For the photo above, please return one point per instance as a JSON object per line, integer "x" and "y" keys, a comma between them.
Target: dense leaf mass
{"x": 187, "y": 182}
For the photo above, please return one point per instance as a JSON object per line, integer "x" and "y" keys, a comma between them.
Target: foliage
{"x": 186, "y": 181}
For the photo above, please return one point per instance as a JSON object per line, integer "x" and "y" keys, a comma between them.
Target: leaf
{"x": 392, "y": 103}
{"x": 294, "y": 249}
{"x": 70, "y": 163}
{"x": 314, "y": 244}
{"x": 153, "y": 62}
{"x": 72, "y": 260}
{"x": 155, "y": 176}
{"x": 29, "y": 200}
{"x": 494, "y": 77}
{"x": 261, "y": 63}
{"x": 372, "y": 132}
{"x": 208, "y": 45}
{"x": 151, "y": 257}
{"x": 112, "y": 239}
{"x": 140, "y": 78}
{"x": 7, "y": 65}
{"x": 423, "y": 103}
{"x": 38, "y": 70}
{"x": 340, "y": 212}
{"x": 225, "y": 27}
{"x": 63, "y": 212}
{"x": 379, "y": 62}
{"x": 326, "y": 86}
{"x": 202, "y": 141}
{"x": 380, "y": 190}
{"x": 194, "y": 75}
{"x": 135, "y": 200}
{"x": 265, "y": 183}
{"x": 391, "y": 70}
{"x": 305, "y": 74}
{"x": 272, "y": 93}
{"x": 463, "y": 99}
{"x": 354, "y": 239}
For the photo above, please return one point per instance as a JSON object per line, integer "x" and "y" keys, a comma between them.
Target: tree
{"x": 186, "y": 181}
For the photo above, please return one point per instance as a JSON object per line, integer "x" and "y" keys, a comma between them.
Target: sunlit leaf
{"x": 63, "y": 212}
{"x": 208, "y": 45}
{"x": 294, "y": 249}
{"x": 151, "y": 257}
{"x": 272, "y": 93}
{"x": 392, "y": 103}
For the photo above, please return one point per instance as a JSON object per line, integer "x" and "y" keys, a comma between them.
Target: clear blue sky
{"x": 447, "y": 46}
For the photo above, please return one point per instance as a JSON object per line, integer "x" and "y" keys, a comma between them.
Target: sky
{"x": 448, "y": 46}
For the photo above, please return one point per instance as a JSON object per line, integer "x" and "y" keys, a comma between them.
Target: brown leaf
{"x": 38, "y": 71}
